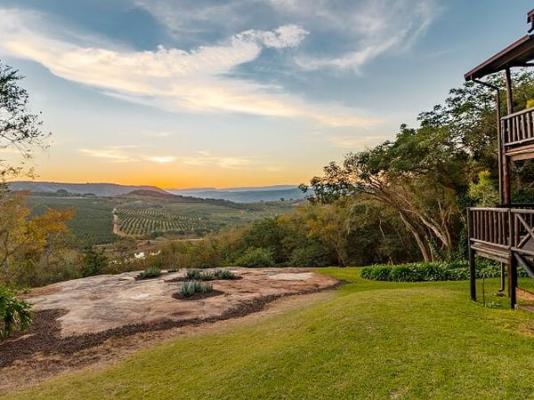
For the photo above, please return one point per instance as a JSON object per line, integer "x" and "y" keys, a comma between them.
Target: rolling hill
{"x": 245, "y": 195}
{"x": 98, "y": 189}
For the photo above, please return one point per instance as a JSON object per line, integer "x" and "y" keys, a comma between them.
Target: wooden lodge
{"x": 506, "y": 233}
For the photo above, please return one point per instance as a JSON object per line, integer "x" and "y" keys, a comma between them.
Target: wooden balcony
{"x": 518, "y": 134}
{"x": 503, "y": 233}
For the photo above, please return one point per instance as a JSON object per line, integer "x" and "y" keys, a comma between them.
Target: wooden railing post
{"x": 472, "y": 266}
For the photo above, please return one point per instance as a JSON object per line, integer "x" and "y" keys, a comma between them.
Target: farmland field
{"x": 140, "y": 217}
{"x": 191, "y": 219}
{"x": 93, "y": 219}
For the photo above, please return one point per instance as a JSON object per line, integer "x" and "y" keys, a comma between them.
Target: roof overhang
{"x": 518, "y": 54}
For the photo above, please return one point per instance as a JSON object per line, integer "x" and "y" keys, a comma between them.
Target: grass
{"x": 368, "y": 340}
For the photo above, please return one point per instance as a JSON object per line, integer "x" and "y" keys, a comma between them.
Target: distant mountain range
{"x": 237, "y": 195}
{"x": 98, "y": 189}
{"x": 244, "y": 194}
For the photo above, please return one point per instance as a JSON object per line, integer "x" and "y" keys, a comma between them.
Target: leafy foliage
{"x": 15, "y": 314}
{"x": 256, "y": 257}
{"x": 19, "y": 128}
{"x": 427, "y": 174}
{"x": 94, "y": 262}
{"x": 436, "y": 271}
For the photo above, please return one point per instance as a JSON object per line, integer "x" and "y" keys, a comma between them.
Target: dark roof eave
{"x": 515, "y": 55}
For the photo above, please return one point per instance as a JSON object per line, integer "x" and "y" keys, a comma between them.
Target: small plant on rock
{"x": 225, "y": 274}
{"x": 149, "y": 273}
{"x": 190, "y": 288}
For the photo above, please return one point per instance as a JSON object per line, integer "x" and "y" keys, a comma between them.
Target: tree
{"x": 425, "y": 173}
{"x": 19, "y": 128}
{"x": 26, "y": 240}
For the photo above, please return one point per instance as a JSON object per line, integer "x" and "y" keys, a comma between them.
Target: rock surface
{"x": 100, "y": 303}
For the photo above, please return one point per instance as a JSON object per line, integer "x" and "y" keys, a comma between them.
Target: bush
{"x": 256, "y": 257}
{"x": 93, "y": 262}
{"x": 435, "y": 271}
{"x": 190, "y": 288}
{"x": 312, "y": 255}
{"x": 15, "y": 314}
{"x": 149, "y": 273}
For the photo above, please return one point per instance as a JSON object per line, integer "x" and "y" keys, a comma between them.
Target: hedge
{"x": 432, "y": 271}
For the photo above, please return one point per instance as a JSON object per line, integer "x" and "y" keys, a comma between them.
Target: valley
{"x": 149, "y": 214}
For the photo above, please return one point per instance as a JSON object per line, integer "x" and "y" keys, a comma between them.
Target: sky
{"x": 205, "y": 93}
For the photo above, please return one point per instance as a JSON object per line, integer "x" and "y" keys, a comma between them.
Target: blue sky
{"x": 195, "y": 93}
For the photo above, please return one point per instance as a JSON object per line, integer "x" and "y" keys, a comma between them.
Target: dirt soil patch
{"x": 75, "y": 321}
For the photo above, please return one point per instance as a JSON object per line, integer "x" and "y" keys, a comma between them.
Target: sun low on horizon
{"x": 183, "y": 93}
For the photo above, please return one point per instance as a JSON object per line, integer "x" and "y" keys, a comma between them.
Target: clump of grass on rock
{"x": 190, "y": 288}
{"x": 219, "y": 274}
{"x": 149, "y": 273}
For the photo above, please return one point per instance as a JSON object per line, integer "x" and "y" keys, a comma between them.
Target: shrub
{"x": 151, "y": 272}
{"x": 435, "y": 271}
{"x": 15, "y": 314}
{"x": 190, "y": 288}
{"x": 312, "y": 255}
{"x": 256, "y": 257}
{"x": 93, "y": 262}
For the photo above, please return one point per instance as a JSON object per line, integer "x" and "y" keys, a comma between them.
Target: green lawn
{"x": 370, "y": 340}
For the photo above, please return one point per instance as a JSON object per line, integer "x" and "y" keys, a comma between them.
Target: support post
{"x": 509, "y": 91}
{"x": 502, "y": 287}
{"x": 507, "y": 198}
{"x": 499, "y": 145}
{"x": 512, "y": 281}
{"x": 472, "y": 266}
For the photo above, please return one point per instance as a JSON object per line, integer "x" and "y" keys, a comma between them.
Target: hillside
{"x": 245, "y": 195}
{"x": 98, "y": 189}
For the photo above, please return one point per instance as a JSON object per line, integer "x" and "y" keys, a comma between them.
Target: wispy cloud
{"x": 173, "y": 79}
{"x": 124, "y": 154}
{"x": 161, "y": 159}
{"x": 112, "y": 154}
{"x": 206, "y": 158}
{"x": 372, "y": 26}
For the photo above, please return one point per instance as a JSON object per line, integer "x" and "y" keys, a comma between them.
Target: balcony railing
{"x": 518, "y": 128}
{"x": 507, "y": 229}
{"x": 490, "y": 226}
